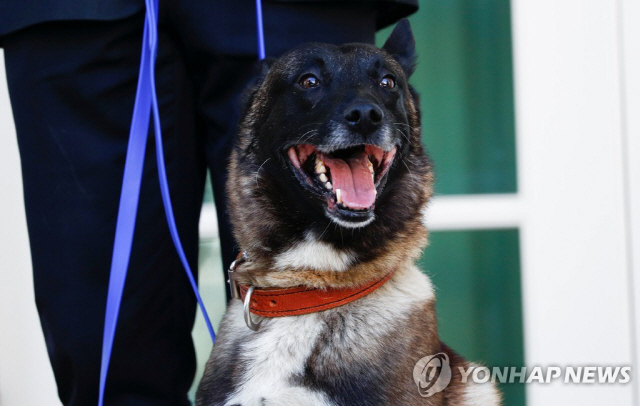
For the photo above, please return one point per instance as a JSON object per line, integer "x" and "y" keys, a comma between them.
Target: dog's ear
{"x": 402, "y": 46}
{"x": 262, "y": 69}
{"x": 260, "y": 72}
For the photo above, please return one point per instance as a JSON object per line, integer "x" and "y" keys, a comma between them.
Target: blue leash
{"x": 261, "y": 53}
{"x": 146, "y": 102}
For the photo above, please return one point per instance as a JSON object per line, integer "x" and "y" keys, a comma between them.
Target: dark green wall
{"x": 465, "y": 80}
{"x": 479, "y": 302}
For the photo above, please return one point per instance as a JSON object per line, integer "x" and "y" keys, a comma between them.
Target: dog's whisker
{"x": 406, "y": 166}
{"x": 325, "y": 229}
{"x": 307, "y": 125}
{"x": 405, "y": 135}
{"x": 316, "y": 132}
{"x": 313, "y": 132}
{"x": 408, "y": 160}
{"x": 413, "y": 178}
{"x": 258, "y": 171}
{"x": 404, "y": 125}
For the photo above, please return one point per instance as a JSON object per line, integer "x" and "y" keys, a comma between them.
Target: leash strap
{"x": 261, "y": 52}
{"x": 128, "y": 207}
{"x": 146, "y": 102}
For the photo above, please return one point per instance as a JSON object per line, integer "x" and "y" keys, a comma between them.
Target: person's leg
{"x": 72, "y": 87}
{"x": 219, "y": 39}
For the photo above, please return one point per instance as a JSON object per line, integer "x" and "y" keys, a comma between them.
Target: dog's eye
{"x": 388, "y": 82}
{"x": 308, "y": 81}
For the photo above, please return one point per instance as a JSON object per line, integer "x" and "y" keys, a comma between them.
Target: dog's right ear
{"x": 263, "y": 68}
{"x": 402, "y": 46}
{"x": 260, "y": 72}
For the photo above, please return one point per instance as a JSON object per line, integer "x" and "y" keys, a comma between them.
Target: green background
{"x": 477, "y": 280}
{"x": 465, "y": 81}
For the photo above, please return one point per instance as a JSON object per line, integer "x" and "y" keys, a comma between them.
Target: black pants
{"x": 72, "y": 86}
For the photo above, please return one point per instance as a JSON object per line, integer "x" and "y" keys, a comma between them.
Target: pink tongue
{"x": 353, "y": 178}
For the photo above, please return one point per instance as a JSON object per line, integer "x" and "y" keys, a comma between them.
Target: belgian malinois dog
{"x": 328, "y": 183}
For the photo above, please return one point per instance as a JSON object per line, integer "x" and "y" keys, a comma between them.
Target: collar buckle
{"x": 233, "y": 282}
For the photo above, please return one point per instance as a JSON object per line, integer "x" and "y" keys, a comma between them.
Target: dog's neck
{"x": 298, "y": 267}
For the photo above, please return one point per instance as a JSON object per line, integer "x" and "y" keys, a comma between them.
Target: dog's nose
{"x": 364, "y": 117}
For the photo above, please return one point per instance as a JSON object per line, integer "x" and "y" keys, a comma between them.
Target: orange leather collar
{"x": 280, "y": 302}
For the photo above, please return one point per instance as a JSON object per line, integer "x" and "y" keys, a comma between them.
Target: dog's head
{"x": 329, "y": 157}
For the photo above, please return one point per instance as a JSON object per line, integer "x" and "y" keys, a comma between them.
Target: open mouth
{"x": 347, "y": 178}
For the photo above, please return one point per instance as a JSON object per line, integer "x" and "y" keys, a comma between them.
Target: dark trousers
{"x": 72, "y": 86}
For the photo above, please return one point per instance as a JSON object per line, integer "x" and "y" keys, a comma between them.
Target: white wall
{"x": 629, "y": 18}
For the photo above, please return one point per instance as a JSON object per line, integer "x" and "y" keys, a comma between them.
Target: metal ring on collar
{"x": 247, "y": 311}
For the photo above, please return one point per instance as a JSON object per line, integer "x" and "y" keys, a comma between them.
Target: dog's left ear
{"x": 402, "y": 46}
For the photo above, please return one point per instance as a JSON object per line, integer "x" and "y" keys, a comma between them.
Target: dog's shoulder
{"x": 224, "y": 367}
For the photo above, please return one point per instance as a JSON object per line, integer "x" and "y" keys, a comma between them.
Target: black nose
{"x": 364, "y": 117}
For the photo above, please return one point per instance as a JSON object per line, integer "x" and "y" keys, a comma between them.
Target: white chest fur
{"x": 272, "y": 357}
{"x": 279, "y": 351}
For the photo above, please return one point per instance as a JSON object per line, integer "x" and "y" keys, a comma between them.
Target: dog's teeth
{"x": 338, "y": 196}
{"x": 323, "y": 177}
{"x": 320, "y": 168}
{"x": 370, "y": 166}
{"x": 328, "y": 185}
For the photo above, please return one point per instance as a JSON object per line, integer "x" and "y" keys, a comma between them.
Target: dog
{"x": 327, "y": 186}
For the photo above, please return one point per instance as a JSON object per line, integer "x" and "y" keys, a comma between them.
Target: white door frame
{"x": 577, "y": 96}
